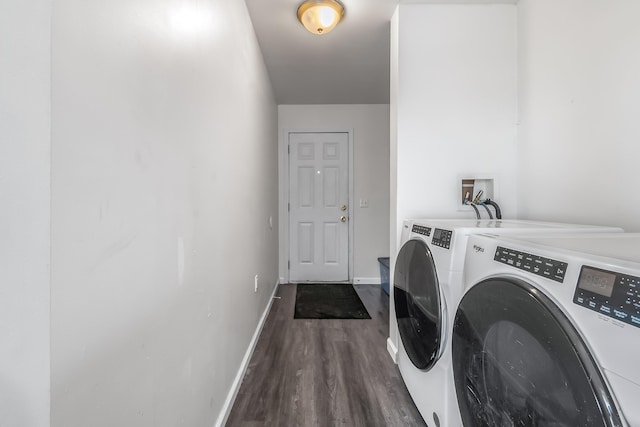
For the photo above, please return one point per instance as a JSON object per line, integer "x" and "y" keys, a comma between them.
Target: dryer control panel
{"x": 421, "y": 229}
{"x": 611, "y": 294}
{"x": 538, "y": 265}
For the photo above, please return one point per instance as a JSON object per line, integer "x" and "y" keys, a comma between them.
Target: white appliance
{"x": 427, "y": 288}
{"x": 548, "y": 331}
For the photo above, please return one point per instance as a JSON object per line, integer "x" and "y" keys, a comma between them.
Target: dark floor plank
{"x": 310, "y": 372}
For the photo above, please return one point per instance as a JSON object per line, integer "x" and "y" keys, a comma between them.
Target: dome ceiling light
{"x": 320, "y": 16}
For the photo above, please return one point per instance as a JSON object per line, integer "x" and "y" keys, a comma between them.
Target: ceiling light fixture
{"x": 320, "y": 16}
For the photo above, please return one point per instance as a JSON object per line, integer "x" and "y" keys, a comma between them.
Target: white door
{"x": 318, "y": 207}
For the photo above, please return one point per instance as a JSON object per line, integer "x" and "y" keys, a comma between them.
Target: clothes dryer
{"x": 548, "y": 331}
{"x": 427, "y": 288}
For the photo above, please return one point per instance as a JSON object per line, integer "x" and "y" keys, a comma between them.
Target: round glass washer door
{"x": 416, "y": 296}
{"x": 518, "y": 361}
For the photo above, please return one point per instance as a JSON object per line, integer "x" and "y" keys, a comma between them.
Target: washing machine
{"x": 427, "y": 288}
{"x": 548, "y": 331}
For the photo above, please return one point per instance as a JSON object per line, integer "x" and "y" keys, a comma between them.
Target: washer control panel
{"x": 611, "y": 294}
{"x": 421, "y": 229}
{"x": 442, "y": 238}
{"x": 541, "y": 266}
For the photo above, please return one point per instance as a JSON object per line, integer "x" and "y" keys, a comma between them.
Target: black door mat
{"x": 328, "y": 301}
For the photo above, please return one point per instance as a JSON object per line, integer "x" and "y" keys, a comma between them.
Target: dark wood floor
{"x": 324, "y": 372}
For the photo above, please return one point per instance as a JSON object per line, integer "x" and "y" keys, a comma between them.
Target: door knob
{"x": 343, "y": 208}
{"x": 343, "y": 218}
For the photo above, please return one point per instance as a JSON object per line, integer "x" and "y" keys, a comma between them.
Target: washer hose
{"x": 496, "y": 207}
{"x": 487, "y": 209}
{"x": 466, "y": 202}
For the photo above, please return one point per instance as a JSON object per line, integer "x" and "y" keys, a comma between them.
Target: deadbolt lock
{"x": 343, "y": 208}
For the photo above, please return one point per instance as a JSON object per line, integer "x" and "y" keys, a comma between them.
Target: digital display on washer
{"x": 441, "y": 238}
{"x": 609, "y": 293}
{"x": 598, "y": 281}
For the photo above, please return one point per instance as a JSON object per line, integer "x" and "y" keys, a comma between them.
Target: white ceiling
{"x": 350, "y": 65}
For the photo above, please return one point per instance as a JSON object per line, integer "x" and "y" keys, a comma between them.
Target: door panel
{"x": 331, "y": 187}
{"x": 331, "y": 242}
{"x": 318, "y": 189}
{"x": 306, "y": 187}
{"x": 305, "y": 243}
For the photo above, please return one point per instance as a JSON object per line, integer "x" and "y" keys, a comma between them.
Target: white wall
{"x": 164, "y": 176}
{"x": 25, "y": 144}
{"x": 370, "y": 126}
{"x": 454, "y": 98}
{"x": 579, "y": 63}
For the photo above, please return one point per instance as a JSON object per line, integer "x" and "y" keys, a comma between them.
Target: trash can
{"x": 384, "y": 273}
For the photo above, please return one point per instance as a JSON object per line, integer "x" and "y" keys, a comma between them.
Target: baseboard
{"x": 235, "y": 387}
{"x": 366, "y": 280}
{"x": 393, "y": 350}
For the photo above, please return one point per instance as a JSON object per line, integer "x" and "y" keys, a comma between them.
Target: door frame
{"x": 283, "y": 190}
